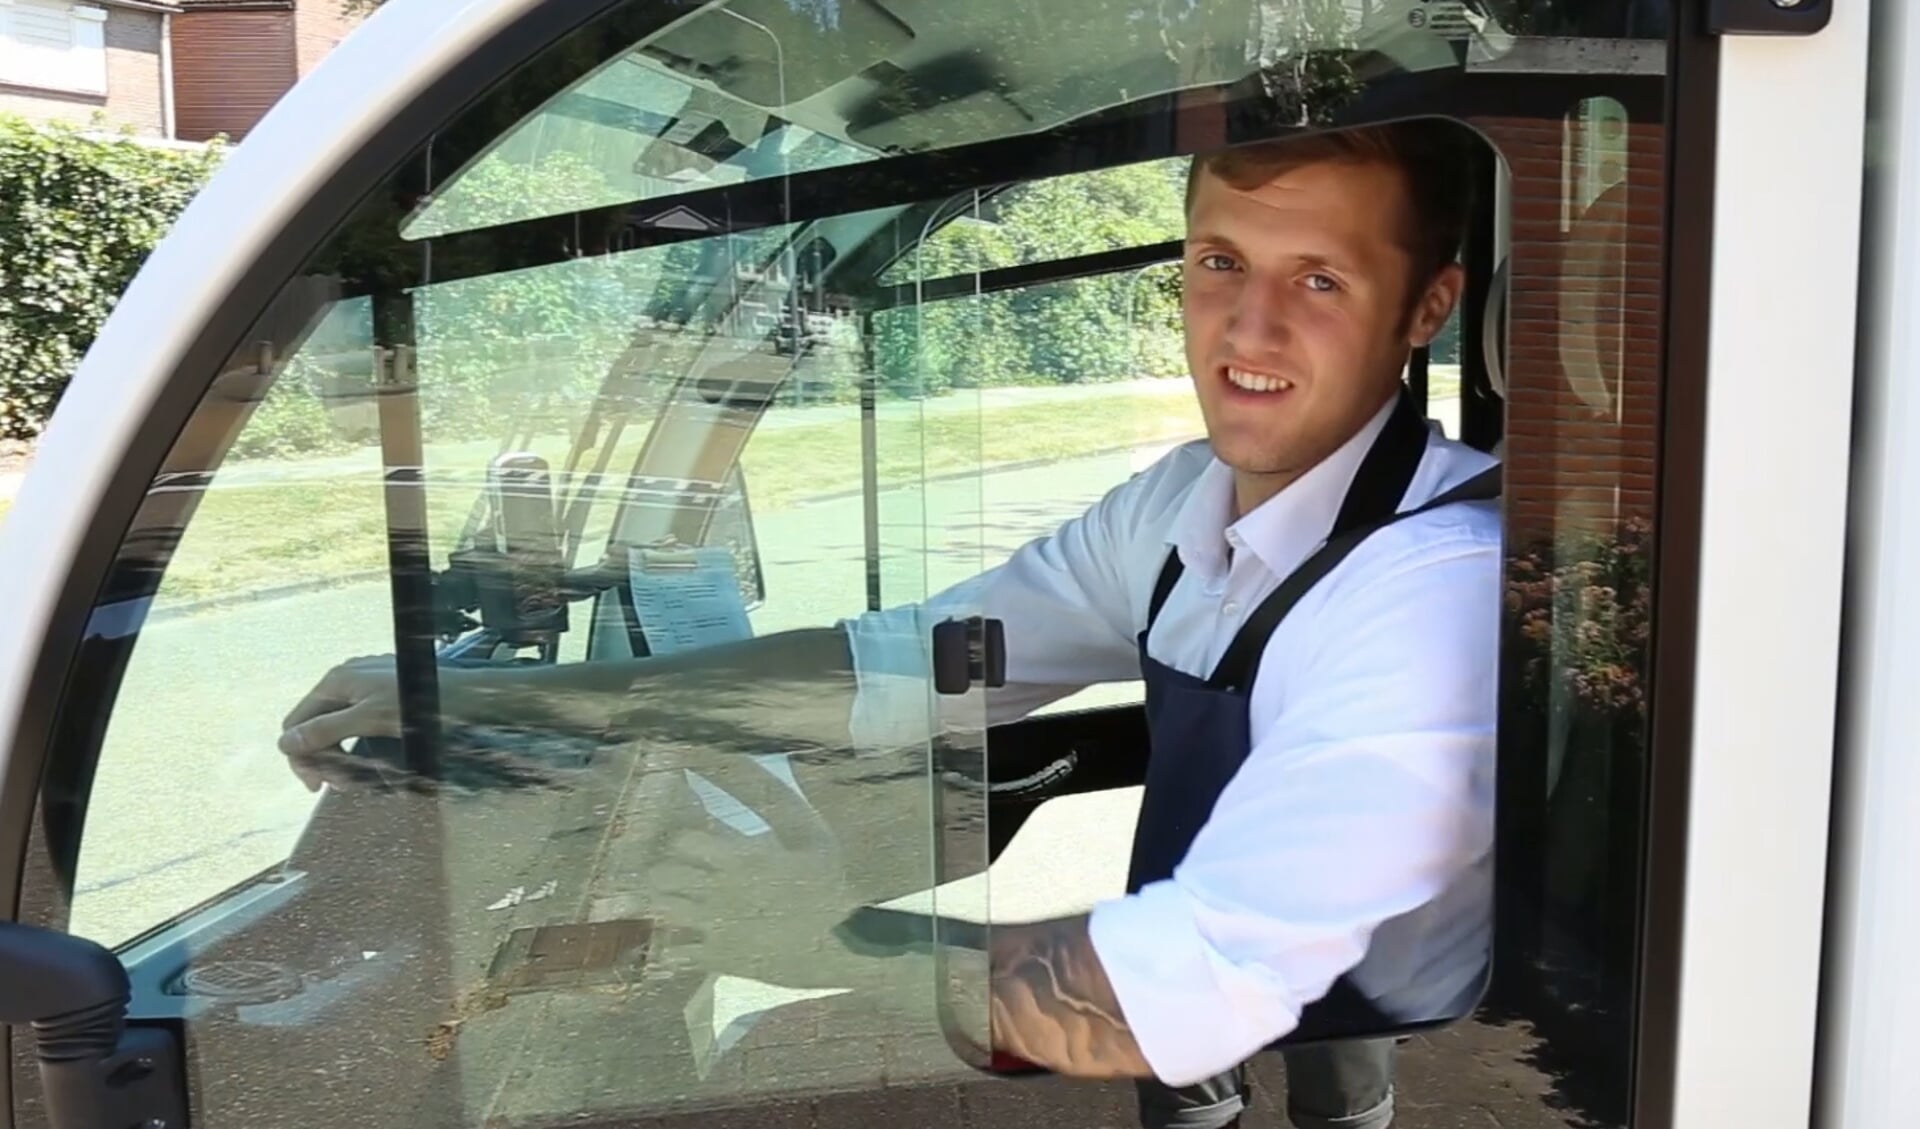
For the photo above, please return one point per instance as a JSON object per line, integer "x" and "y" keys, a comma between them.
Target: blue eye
{"x": 1217, "y": 261}
{"x": 1322, "y": 283}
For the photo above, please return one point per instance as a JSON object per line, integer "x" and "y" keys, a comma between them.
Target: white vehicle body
{"x": 1776, "y": 904}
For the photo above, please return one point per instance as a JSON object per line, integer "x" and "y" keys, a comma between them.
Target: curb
{"x": 261, "y": 595}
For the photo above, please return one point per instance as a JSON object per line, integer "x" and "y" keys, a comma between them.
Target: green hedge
{"x": 78, "y": 215}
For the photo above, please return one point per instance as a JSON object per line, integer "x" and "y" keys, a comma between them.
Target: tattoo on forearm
{"x": 1053, "y": 1006}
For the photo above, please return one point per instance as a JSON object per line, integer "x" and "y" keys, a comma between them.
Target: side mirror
{"x": 94, "y": 1068}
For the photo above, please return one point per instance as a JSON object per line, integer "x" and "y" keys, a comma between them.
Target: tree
{"x": 1302, "y": 52}
{"x": 78, "y": 215}
{"x": 1083, "y": 330}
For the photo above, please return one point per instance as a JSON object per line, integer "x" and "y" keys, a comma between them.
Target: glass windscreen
{"x": 642, "y": 482}
{"x": 746, "y": 90}
{"x": 695, "y": 339}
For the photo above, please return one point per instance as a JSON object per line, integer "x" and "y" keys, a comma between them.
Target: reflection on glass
{"x": 670, "y": 859}
{"x": 757, "y": 89}
{"x": 280, "y": 566}
{"x": 1116, "y": 209}
{"x": 1582, "y": 386}
{"x": 628, "y": 898}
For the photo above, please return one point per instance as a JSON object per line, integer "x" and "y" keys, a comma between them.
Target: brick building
{"x": 102, "y": 62}
{"x": 1582, "y": 363}
{"x": 235, "y": 58}
{"x": 191, "y": 69}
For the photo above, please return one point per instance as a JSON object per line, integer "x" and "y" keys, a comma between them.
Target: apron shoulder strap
{"x": 1241, "y": 662}
{"x": 1482, "y": 487}
{"x": 1387, "y": 471}
{"x": 1163, "y": 587}
{"x": 1372, "y": 499}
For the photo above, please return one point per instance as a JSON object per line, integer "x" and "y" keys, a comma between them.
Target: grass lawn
{"x": 267, "y": 523}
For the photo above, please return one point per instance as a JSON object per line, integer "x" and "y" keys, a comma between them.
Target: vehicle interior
{"x": 791, "y": 210}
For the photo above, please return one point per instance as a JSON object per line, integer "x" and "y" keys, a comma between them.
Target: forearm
{"x": 1050, "y": 1003}
{"x": 808, "y": 672}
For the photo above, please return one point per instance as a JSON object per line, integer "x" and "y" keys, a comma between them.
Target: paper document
{"x": 687, "y": 598}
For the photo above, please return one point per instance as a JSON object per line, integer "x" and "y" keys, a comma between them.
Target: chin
{"x": 1251, "y": 447}
{"x": 1248, "y": 459}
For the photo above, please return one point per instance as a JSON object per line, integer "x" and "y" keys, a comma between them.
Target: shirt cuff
{"x": 1193, "y": 1013}
{"x": 892, "y": 653}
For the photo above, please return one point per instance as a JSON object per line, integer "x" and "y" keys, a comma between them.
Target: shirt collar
{"x": 1281, "y": 531}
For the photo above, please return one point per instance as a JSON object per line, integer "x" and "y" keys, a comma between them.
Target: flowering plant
{"x": 1583, "y": 606}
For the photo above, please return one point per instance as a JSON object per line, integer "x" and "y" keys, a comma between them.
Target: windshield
{"x": 595, "y": 277}
{"x": 630, "y": 131}
{"x": 754, "y": 89}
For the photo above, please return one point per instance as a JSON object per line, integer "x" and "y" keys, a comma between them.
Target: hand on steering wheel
{"x": 359, "y": 698}
{"x": 359, "y": 701}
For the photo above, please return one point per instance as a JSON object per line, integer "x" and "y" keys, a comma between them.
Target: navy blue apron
{"x": 1198, "y": 728}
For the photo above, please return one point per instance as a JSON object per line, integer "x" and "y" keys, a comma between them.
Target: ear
{"x": 1435, "y": 305}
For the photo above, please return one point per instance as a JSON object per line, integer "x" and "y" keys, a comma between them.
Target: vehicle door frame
{"x": 1737, "y": 846}
{"x": 1710, "y": 1046}
{"x": 1868, "y": 1040}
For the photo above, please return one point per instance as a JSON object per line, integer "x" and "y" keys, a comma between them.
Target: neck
{"x": 1251, "y": 489}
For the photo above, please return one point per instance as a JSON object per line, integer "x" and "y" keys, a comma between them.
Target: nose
{"x": 1261, "y": 323}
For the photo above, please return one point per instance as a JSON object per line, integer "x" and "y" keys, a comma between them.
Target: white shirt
{"x": 1357, "y": 836}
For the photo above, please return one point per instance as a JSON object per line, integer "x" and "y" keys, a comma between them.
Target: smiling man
{"x": 1317, "y": 626}
{"x": 1312, "y": 597}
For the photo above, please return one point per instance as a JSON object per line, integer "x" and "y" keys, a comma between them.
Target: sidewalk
{"x": 1471, "y": 1075}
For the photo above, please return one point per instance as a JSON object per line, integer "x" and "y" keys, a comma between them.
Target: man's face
{"x": 1296, "y": 310}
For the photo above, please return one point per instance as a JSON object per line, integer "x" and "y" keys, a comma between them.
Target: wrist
{"x": 465, "y": 692}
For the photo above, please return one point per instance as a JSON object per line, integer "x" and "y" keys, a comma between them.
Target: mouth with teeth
{"x": 1246, "y": 380}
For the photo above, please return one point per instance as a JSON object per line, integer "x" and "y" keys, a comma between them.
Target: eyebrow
{"x": 1307, "y": 258}
{"x": 1325, "y": 261}
{"x": 1205, "y": 236}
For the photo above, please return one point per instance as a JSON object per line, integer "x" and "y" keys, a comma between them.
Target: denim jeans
{"x": 1344, "y": 1084}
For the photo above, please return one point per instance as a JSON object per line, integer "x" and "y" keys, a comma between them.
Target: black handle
{"x": 966, "y": 651}
{"x": 1768, "y": 17}
{"x": 94, "y": 1069}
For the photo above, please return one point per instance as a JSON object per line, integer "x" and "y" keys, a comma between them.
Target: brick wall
{"x": 319, "y": 26}
{"x": 135, "y": 94}
{"x": 1581, "y": 461}
{"x": 133, "y": 82}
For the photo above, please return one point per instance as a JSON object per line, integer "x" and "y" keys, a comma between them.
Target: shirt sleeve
{"x": 1369, "y": 795}
{"x": 1065, "y": 603}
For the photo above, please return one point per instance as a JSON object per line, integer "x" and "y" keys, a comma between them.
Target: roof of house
{"x": 140, "y": 5}
{"x": 238, "y": 5}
